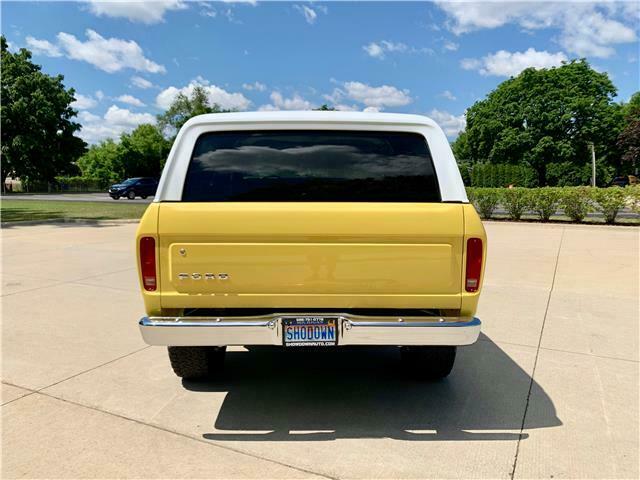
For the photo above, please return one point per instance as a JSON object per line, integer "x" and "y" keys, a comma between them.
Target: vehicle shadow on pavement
{"x": 288, "y": 395}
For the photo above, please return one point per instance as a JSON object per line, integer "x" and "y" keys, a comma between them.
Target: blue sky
{"x": 127, "y": 61}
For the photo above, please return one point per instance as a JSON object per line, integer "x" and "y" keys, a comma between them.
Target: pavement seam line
{"x": 39, "y": 390}
{"x": 180, "y": 434}
{"x": 535, "y": 362}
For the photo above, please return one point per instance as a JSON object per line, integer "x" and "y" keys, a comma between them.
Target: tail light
{"x": 474, "y": 264}
{"x": 148, "y": 263}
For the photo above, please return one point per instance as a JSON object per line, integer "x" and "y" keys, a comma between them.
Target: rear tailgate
{"x": 310, "y": 255}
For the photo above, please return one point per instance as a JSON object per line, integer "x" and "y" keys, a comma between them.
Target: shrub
{"x": 610, "y": 201}
{"x": 485, "y": 200}
{"x": 576, "y": 202}
{"x": 502, "y": 175}
{"x": 545, "y": 201}
{"x": 633, "y": 197}
{"x": 80, "y": 184}
{"x": 516, "y": 201}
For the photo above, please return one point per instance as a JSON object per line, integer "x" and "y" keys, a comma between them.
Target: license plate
{"x": 310, "y": 331}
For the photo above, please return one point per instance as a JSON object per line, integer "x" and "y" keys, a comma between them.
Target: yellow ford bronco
{"x": 310, "y": 229}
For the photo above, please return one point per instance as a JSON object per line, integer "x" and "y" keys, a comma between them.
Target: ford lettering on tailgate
{"x": 309, "y": 331}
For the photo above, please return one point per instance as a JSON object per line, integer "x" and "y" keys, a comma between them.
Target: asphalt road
{"x": 74, "y": 197}
{"x": 549, "y": 391}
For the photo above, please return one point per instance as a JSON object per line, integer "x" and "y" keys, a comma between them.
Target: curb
{"x": 563, "y": 223}
{"x": 79, "y": 221}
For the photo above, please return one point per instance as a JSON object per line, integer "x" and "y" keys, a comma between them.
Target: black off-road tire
{"x": 143, "y": 196}
{"x": 131, "y": 195}
{"x": 197, "y": 362}
{"x": 428, "y": 363}
{"x": 116, "y": 197}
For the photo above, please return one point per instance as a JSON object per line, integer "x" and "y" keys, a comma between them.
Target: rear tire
{"x": 196, "y": 362}
{"x": 428, "y": 363}
{"x": 143, "y": 197}
{"x": 131, "y": 195}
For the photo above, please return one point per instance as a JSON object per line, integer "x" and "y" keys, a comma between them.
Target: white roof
{"x": 314, "y": 116}
{"x": 174, "y": 173}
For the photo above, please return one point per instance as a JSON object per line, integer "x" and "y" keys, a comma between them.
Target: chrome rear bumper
{"x": 267, "y": 330}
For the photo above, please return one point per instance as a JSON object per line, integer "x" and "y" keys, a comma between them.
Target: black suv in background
{"x": 134, "y": 187}
{"x": 624, "y": 181}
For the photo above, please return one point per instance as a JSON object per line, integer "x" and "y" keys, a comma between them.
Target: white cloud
{"x": 310, "y": 14}
{"x": 592, "y": 34}
{"x": 260, "y": 87}
{"x": 451, "y": 124}
{"x": 374, "y": 50}
{"x": 278, "y": 102}
{"x": 377, "y": 97}
{"x": 215, "y": 94}
{"x": 136, "y": 11}
{"x": 346, "y": 108}
{"x": 378, "y": 49}
{"x": 507, "y": 64}
{"x": 99, "y": 95}
{"x": 586, "y": 29}
{"x": 114, "y": 122}
{"x": 127, "y": 118}
{"x": 131, "y": 100}
{"x": 381, "y": 48}
{"x": 108, "y": 54}
{"x": 451, "y": 46}
{"x": 140, "y": 82}
{"x": 87, "y": 117}
{"x": 448, "y": 95}
{"x": 43, "y": 47}
{"x": 83, "y": 102}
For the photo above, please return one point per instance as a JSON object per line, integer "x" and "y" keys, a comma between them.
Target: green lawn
{"x": 23, "y": 210}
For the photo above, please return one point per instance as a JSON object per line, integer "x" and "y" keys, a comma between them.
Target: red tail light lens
{"x": 148, "y": 263}
{"x": 474, "y": 264}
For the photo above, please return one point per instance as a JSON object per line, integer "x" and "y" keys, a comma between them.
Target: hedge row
{"x": 498, "y": 175}
{"x": 574, "y": 202}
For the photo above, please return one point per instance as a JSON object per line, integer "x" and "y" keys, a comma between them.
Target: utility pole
{"x": 593, "y": 164}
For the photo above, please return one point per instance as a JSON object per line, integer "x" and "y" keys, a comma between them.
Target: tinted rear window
{"x": 311, "y": 166}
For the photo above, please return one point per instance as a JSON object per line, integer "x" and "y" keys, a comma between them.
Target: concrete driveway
{"x": 549, "y": 391}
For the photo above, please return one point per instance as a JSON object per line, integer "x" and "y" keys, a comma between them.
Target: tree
{"x": 143, "y": 151}
{"x": 460, "y": 147}
{"x": 184, "y": 107}
{"x": 102, "y": 163}
{"x": 38, "y": 140}
{"x": 546, "y": 115}
{"x": 629, "y": 138}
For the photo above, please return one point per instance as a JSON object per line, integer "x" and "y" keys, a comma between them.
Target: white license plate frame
{"x": 309, "y": 331}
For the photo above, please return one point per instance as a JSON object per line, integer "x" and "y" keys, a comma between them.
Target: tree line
{"x": 546, "y": 120}
{"x": 535, "y": 129}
